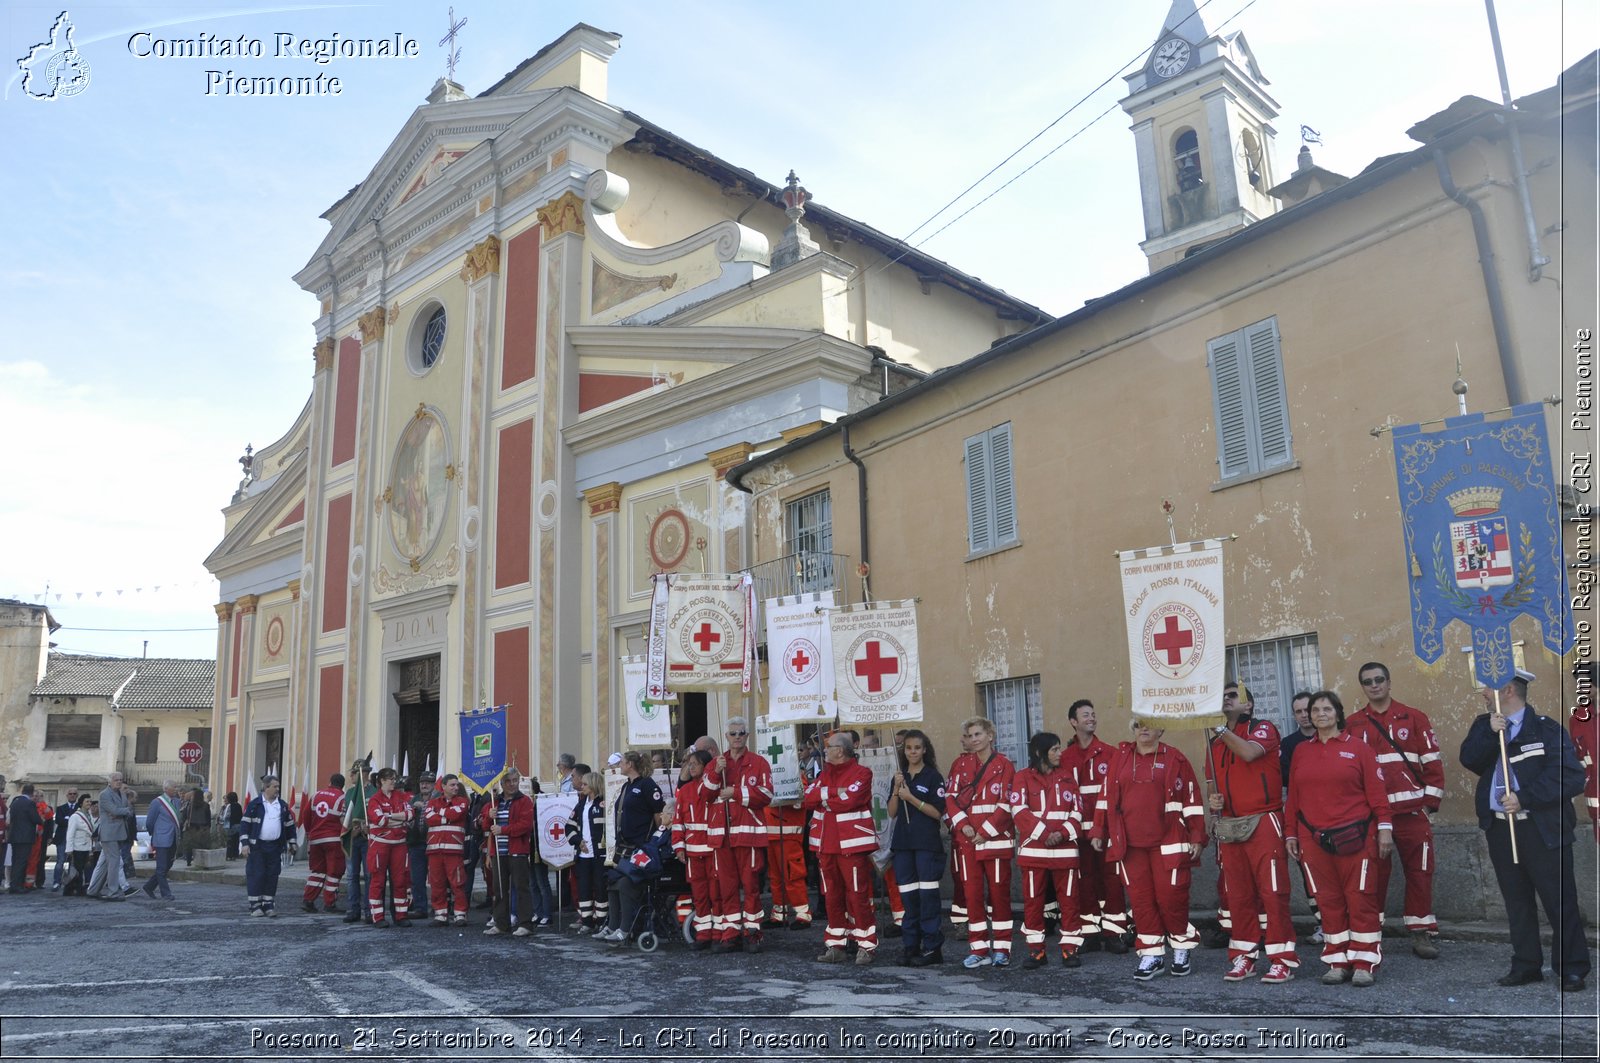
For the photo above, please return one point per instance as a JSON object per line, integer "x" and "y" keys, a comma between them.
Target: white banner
{"x": 877, "y": 675}
{"x": 884, "y": 762}
{"x": 550, "y": 815}
{"x": 777, "y": 742}
{"x": 656, "y": 651}
{"x": 649, "y": 722}
{"x": 798, "y": 687}
{"x": 705, "y": 641}
{"x": 1177, "y": 647}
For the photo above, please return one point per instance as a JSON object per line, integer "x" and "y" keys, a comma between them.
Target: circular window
{"x": 432, "y": 339}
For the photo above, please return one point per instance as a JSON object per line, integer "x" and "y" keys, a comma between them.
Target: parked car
{"x": 142, "y": 849}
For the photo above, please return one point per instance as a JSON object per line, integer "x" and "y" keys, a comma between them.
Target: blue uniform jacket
{"x": 912, "y": 829}
{"x": 1545, "y": 764}
{"x": 250, "y": 828}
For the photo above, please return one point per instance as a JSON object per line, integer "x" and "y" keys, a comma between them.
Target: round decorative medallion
{"x": 545, "y": 506}
{"x": 668, "y": 539}
{"x": 469, "y": 528}
{"x": 274, "y": 636}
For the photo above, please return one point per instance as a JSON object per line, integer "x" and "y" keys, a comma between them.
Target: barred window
{"x": 1017, "y": 712}
{"x": 1273, "y": 670}
{"x": 63, "y": 730}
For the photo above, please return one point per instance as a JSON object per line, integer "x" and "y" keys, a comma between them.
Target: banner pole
{"x": 1505, "y": 770}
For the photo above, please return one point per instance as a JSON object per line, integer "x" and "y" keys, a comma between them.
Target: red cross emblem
{"x": 875, "y": 666}
{"x": 706, "y": 638}
{"x": 557, "y": 830}
{"x": 1174, "y": 639}
{"x": 800, "y": 661}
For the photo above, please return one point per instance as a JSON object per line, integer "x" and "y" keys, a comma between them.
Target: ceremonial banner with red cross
{"x": 877, "y": 677}
{"x": 777, "y": 742}
{"x": 703, "y": 638}
{"x": 649, "y": 721}
{"x": 799, "y": 672}
{"x": 550, "y": 815}
{"x": 1177, "y": 650}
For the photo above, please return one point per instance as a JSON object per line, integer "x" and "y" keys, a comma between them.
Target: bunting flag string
{"x": 52, "y": 596}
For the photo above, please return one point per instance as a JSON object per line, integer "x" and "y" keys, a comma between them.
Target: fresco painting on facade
{"x": 417, "y": 487}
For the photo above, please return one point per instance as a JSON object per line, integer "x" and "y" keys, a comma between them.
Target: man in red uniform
{"x": 840, "y": 802}
{"x": 1242, "y": 766}
{"x": 1584, "y": 724}
{"x": 446, "y": 817}
{"x": 977, "y": 801}
{"x": 387, "y": 857}
{"x": 1102, "y": 913}
{"x": 323, "y": 821}
{"x": 1413, "y": 773}
{"x": 742, "y": 781}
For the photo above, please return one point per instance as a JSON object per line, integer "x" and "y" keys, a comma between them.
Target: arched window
{"x": 1186, "y": 159}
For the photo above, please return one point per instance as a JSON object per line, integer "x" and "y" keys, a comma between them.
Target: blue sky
{"x": 152, "y": 328}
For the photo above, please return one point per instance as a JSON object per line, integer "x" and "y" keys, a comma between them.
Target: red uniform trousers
{"x": 1066, "y": 882}
{"x": 1413, "y": 844}
{"x": 897, "y": 907}
{"x": 1347, "y": 896}
{"x": 786, "y": 875}
{"x": 738, "y": 870}
{"x": 847, "y": 894}
{"x": 1257, "y": 885}
{"x": 326, "y": 860}
{"x": 1160, "y": 899}
{"x": 703, "y": 889}
{"x": 447, "y": 885}
{"x": 987, "y": 885}
{"x": 391, "y": 861}
{"x": 1101, "y": 908}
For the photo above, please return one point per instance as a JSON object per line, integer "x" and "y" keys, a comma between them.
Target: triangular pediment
{"x": 436, "y": 136}
{"x": 276, "y": 521}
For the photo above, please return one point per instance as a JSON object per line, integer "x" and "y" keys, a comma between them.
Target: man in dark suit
{"x": 1534, "y": 800}
{"x": 22, "y": 830}
{"x": 64, "y": 813}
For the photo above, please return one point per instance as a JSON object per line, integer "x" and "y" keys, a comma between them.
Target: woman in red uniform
{"x": 388, "y": 812}
{"x": 691, "y": 829}
{"x": 1337, "y": 820}
{"x": 840, "y": 802}
{"x": 446, "y": 817}
{"x": 1151, "y": 824}
{"x": 1048, "y": 818}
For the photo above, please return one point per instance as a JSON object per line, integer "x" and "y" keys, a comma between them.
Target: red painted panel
{"x": 511, "y": 669}
{"x": 296, "y": 515}
{"x": 597, "y": 389}
{"x": 227, "y": 781}
{"x": 330, "y": 722}
{"x": 346, "y": 399}
{"x": 233, "y": 661}
{"x": 513, "y": 507}
{"x": 519, "y": 360}
{"x": 336, "y": 565}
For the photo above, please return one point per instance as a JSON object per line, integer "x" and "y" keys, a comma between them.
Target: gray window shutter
{"x": 978, "y": 510}
{"x": 1005, "y": 500}
{"x": 1228, "y": 390}
{"x": 1271, "y": 399}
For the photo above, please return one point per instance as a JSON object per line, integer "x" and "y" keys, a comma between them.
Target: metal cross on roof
{"x": 448, "y": 41}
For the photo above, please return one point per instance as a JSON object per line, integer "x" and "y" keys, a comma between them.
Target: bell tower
{"x": 1202, "y": 127}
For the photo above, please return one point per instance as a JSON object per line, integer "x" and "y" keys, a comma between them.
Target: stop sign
{"x": 190, "y": 752}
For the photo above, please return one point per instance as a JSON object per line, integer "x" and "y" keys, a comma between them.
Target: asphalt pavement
{"x": 197, "y": 979}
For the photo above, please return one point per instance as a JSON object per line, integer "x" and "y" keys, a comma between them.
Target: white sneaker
{"x": 492, "y": 931}
{"x": 521, "y": 932}
{"x": 1149, "y": 967}
{"x": 1180, "y": 963}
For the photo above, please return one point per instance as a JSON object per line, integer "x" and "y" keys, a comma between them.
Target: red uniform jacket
{"x": 1183, "y": 817}
{"x": 1584, "y": 723}
{"x": 1041, "y": 805}
{"x": 1248, "y": 787}
{"x": 978, "y": 796}
{"x": 840, "y": 800}
{"x": 1414, "y": 773}
{"x": 323, "y": 818}
{"x": 518, "y": 827}
{"x": 1088, "y": 766}
{"x": 738, "y": 821}
{"x": 380, "y": 805}
{"x": 689, "y": 818}
{"x": 1333, "y": 783}
{"x": 446, "y": 818}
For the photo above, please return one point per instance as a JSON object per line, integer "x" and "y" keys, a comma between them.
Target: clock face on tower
{"x": 1171, "y": 57}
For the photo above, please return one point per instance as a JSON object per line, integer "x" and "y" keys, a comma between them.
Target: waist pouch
{"x": 1233, "y": 829}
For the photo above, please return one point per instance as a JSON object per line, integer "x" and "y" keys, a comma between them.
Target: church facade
{"x": 547, "y": 328}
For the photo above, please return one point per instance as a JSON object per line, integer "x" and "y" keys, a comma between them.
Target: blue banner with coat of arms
{"x": 1482, "y": 530}
{"x": 483, "y": 746}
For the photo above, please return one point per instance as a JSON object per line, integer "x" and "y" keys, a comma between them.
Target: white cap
{"x": 1523, "y": 674}
{"x": 613, "y": 760}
